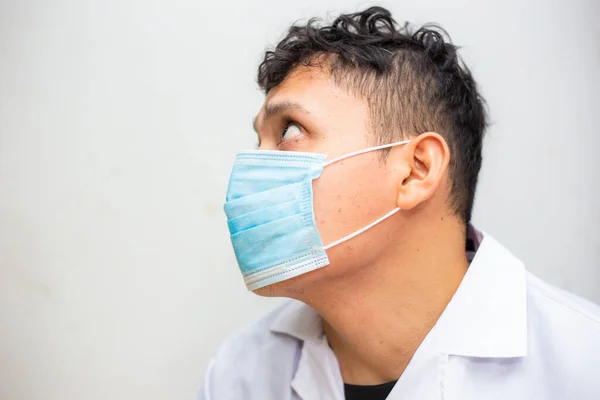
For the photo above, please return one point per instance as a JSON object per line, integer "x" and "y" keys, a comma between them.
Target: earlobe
{"x": 426, "y": 158}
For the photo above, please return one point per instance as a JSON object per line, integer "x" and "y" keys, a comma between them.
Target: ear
{"x": 426, "y": 158}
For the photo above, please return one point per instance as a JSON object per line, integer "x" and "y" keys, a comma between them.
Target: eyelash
{"x": 285, "y": 123}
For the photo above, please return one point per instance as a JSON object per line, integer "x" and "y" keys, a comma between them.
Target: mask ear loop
{"x": 355, "y": 153}
{"x": 358, "y": 232}
{"x": 386, "y": 216}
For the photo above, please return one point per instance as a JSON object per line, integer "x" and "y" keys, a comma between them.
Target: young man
{"x": 357, "y": 206}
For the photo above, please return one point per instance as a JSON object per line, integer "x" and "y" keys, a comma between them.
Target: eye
{"x": 291, "y": 131}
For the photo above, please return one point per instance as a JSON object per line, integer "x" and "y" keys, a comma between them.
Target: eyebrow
{"x": 278, "y": 108}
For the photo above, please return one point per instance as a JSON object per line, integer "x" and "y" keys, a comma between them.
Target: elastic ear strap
{"x": 355, "y": 153}
{"x": 358, "y": 232}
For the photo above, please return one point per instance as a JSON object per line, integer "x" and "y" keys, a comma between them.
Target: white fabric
{"x": 504, "y": 335}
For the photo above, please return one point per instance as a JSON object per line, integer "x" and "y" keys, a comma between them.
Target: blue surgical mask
{"x": 270, "y": 214}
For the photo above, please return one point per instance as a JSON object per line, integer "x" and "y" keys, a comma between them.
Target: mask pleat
{"x": 271, "y": 244}
{"x": 264, "y": 216}
{"x": 262, "y": 200}
{"x": 248, "y": 180}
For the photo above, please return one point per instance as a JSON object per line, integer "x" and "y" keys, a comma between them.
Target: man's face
{"x": 308, "y": 113}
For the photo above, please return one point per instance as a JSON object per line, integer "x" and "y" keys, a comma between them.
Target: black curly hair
{"x": 413, "y": 82}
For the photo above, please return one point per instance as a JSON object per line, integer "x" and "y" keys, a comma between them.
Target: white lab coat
{"x": 504, "y": 335}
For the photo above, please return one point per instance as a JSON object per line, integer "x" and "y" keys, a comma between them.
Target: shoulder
{"x": 564, "y": 332}
{"x": 247, "y": 361}
{"x": 554, "y": 305}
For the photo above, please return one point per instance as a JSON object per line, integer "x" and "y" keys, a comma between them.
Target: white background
{"x": 119, "y": 121}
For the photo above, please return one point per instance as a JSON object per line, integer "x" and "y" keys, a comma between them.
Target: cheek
{"x": 348, "y": 197}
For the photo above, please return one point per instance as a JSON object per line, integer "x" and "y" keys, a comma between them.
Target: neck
{"x": 376, "y": 319}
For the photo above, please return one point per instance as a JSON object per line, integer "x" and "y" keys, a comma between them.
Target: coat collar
{"x": 487, "y": 316}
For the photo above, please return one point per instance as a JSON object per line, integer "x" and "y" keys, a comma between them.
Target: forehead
{"x": 303, "y": 81}
{"x": 312, "y": 88}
